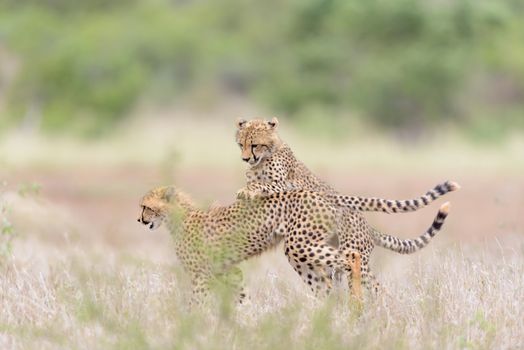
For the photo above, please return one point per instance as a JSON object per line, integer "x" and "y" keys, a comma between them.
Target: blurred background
{"x": 406, "y": 67}
{"x": 102, "y": 100}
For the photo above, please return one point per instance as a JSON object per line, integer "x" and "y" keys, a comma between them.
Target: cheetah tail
{"x": 408, "y": 246}
{"x": 395, "y": 206}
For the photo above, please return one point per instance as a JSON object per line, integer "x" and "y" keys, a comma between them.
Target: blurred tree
{"x": 399, "y": 64}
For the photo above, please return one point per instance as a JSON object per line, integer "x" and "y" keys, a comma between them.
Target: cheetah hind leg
{"x": 370, "y": 281}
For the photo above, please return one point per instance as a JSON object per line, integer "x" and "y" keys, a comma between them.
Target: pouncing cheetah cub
{"x": 273, "y": 168}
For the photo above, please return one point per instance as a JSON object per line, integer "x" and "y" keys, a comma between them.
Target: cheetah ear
{"x": 241, "y": 123}
{"x": 273, "y": 123}
{"x": 169, "y": 192}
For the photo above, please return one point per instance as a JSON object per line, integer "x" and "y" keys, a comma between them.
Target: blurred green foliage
{"x": 398, "y": 64}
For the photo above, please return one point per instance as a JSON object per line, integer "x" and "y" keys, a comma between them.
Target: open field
{"x": 83, "y": 274}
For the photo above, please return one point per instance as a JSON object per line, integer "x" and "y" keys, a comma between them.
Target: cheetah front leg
{"x": 232, "y": 280}
{"x": 258, "y": 189}
{"x": 228, "y": 282}
{"x": 200, "y": 293}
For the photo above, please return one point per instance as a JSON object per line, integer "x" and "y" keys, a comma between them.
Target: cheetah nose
{"x": 245, "y": 159}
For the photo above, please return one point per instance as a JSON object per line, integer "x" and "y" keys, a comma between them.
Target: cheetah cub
{"x": 273, "y": 168}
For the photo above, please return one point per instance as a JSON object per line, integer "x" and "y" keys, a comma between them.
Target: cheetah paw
{"x": 245, "y": 193}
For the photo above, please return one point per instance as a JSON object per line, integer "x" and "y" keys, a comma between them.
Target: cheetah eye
{"x": 254, "y": 146}
{"x": 150, "y": 209}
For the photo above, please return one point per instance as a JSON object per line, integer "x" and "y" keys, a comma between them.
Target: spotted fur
{"x": 274, "y": 168}
{"x": 211, "y": 243}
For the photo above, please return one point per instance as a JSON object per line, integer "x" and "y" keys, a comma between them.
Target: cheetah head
{"x": 257, "y": 139}
{"x": 155, "y": 206}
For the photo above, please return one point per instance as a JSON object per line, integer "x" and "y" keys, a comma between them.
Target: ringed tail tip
{"x": 444, "y": 208}
{"x": 453, "y": 186}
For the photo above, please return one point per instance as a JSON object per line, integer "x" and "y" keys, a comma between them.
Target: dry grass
{"x": 461, "y": 297}
{"x": 69, "y": 286}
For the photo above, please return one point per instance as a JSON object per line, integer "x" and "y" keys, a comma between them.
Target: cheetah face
{"x": 150, "y": 217}
{"x": 256, "y": 139}
{"x": 154, "y": 206}
{"x": 254, "y": 153}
